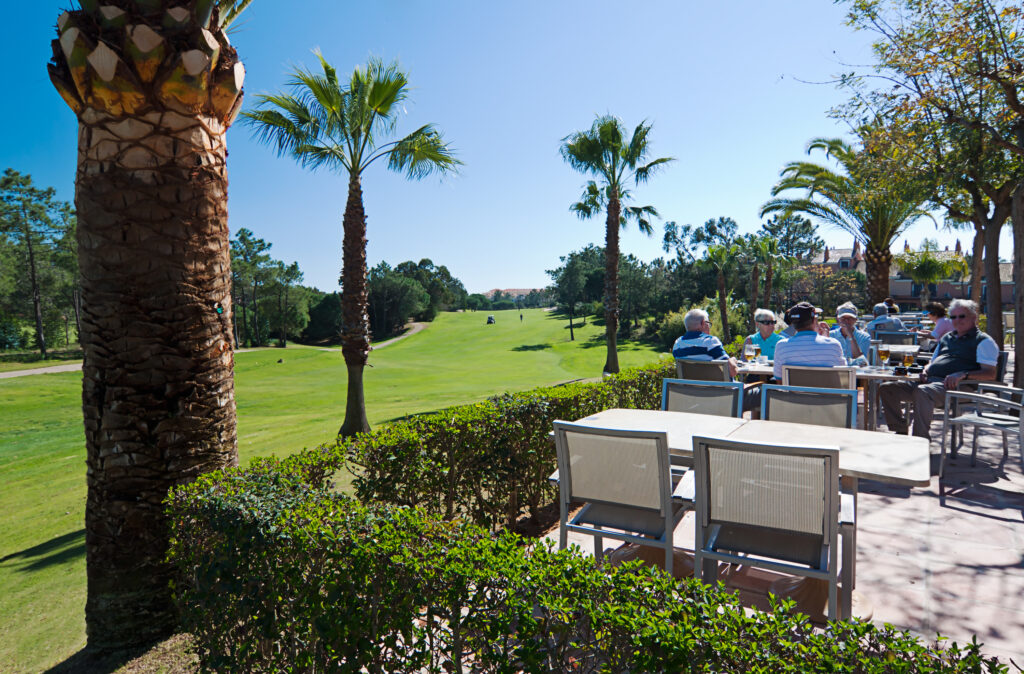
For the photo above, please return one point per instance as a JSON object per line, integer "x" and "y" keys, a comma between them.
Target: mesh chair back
{"x": 1001, "y": 362}
{"x": 770, "y": 486}
{"x": 601, "y": 465}
{"x": 896, "y": 337}
{"x": 819, "y": 377}
{"x": 703, "y": 370}
{"x": 818, "y": 406}
{"x": 724, "y": 399}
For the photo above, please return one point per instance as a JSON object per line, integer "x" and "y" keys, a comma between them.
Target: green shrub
{"x": 486, "y": 462}
{"x": 281, "y": 577}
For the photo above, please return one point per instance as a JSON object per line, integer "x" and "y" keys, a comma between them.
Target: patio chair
{"x": 968, "y": 386}
{"x": 775, "y": 507}
{"x": 820, "y": 377}
{"x": 721, "y": 398}
{"x": 626, "y": 481}
{"x": 803, "y": 405}
{"x": 703, "y": 370}
{"x": 1000, "y": 410}
{"x": 896, "y": 337}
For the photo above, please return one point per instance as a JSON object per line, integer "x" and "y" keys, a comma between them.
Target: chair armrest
{"x": 979, "y": 399}
{"x": 1000, "y": 389}
{"x": 686, "y": 489}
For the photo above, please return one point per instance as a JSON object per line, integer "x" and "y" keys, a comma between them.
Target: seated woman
{"x": 765, "y": 337}
{"x": 937, "y": 313}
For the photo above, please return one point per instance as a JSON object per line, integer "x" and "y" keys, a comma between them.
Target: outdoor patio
{"x": 944, "y": 559}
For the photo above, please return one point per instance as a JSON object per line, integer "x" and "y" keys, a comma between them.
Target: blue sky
{"x": 734, "y": 91}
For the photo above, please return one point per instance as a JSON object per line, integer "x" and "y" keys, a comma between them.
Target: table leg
{"x": 871, "y": 406}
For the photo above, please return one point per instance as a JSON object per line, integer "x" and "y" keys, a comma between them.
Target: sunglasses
{"x": 767, "y": 322}
{"x": 959, "y": 316}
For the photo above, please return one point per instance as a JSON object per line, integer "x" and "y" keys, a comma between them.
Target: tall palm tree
{"x": 330, "y": 123}
{"x": 868, "y": 199}
{"x": 722, "y": 258}
{"x": 604, "y": 152}
{"x": 154, "y": 85}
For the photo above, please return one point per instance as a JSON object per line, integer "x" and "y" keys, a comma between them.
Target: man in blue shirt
{"x": 856, "y": 343}
{"x": 883, "y": 321}
{"x": 964, "y": 354}
{"x": 698, "y": 342}
{"x": 806, "y": 347}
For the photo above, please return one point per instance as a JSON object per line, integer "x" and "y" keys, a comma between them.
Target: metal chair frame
{"x": 850, "y": 394}
{"x": 702, "y": 370}
{"x": 671, "y": 504}
{"x": 734, "y": 388}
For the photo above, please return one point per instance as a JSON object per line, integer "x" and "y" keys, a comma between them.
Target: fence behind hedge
{"x": 487, "y": 462}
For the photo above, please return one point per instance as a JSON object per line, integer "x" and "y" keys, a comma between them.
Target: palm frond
{"x": 421, "y": 153}
{"x": 643, "y": 173}
{"x": 230, "y": 10}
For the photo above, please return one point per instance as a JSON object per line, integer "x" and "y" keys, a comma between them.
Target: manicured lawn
{"x": 282, "y": 407}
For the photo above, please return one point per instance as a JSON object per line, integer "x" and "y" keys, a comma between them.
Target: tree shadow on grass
{"x": 58, "y": 550}
{"x": 531, "y": 347}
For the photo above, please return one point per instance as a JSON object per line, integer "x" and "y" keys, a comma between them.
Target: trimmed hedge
{"x": 486, "y": 462}
{"x": 279, "y": 576}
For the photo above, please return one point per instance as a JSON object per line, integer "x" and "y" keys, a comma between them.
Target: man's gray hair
{"x": 970, "y": 305}
{"x": 764, "y": 314}
{"x": 694, "y": 318}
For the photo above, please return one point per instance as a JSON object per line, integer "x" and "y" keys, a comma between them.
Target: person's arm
{"x": 986, "y": 373}
{"x": 856, "y": 351}
{"x": 732, "y": 367}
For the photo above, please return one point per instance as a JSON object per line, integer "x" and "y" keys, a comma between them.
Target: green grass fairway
{"x": 282, "y": 407}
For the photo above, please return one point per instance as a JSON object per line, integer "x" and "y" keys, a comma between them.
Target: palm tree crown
{"x": 345, "y": 126}
{"x": 604, "y": 152}
{"x": 866, "y": 200}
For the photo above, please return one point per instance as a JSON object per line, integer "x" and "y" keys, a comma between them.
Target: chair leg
{"x": 833, "y": 598}
{"x": 974, "y": 447}
{"x": 945, "y": 438}
{"x": 1006, "y": 446}
{"x": 669, "y": 558}
{"x": 599, "y": 549}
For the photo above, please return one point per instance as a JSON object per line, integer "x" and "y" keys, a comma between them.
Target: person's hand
{"x": 953, "y": 380}
{"x": 923, "y": 376}
{"x": 732, "y": 367}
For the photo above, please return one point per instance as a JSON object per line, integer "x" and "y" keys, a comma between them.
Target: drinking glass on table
{"x": 908, "y": 358}
{"x": 748, "y": 352}
{"x": 883, "y": 355}
{"x": 757, "y": 352}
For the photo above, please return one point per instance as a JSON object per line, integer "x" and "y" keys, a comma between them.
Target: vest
{"x": 956, "y": 354}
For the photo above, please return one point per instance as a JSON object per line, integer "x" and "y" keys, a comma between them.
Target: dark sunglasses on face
{"x": 767, "y": 322}
{"x": 959, "y": 316}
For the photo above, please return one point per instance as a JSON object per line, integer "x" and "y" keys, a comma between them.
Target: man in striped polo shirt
{"x": 806, "y": 347}
{"x": 698, "y": 342}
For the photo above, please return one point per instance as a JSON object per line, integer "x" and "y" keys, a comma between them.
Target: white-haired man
{"x": 964, "y": 354}
{"x": 856, "y": 343}
{"x": 698, "y": 342}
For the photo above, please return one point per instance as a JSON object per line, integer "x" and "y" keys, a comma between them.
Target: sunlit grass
{"x": 282, "y": 407}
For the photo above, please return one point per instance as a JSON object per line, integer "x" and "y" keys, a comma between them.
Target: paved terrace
{"x": 944, "y": 559}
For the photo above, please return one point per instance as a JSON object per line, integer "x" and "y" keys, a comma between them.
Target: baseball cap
{"x": 801, "y": 311}
{"x": 846, "y": 309}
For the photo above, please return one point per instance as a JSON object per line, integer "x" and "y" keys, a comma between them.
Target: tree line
{"x": 40, "y": 292}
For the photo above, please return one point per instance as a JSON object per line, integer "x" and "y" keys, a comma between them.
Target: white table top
{"x": 872, "y": 455}
{"x": 862, "y": 372}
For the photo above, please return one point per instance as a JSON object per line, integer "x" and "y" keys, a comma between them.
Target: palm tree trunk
{"x": 768, "y": 285}
{"x": 977, "y": 262}
{"x": 755, "y": 277}
{"x": 723, "y": 309}
{"x": 878, "y": 261}
{"x": 994, "y": 305}
{"x": 158, "y": 391}
{"x": 355, "y": 335}
{"x": 611, "y": 282}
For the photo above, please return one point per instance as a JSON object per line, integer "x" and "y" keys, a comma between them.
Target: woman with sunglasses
{"x": 765, "y": 337}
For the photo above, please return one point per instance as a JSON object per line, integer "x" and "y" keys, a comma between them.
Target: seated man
{"x": 964, "y": 354}
{"x": 806, "y": 347}
{"x": 883, "y": 321}
{"x": 698, "y": 342}
{"x": 856, "y": 343}
{"x": 766, "y": 338}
